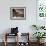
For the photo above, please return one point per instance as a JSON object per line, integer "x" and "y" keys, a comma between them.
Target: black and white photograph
{"x": 18, "y": 13}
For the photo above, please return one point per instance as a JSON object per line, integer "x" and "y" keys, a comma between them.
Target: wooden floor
{"x": 13, "y": 44}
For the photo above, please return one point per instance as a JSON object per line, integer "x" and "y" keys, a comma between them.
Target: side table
{"x": 8, "y": 34}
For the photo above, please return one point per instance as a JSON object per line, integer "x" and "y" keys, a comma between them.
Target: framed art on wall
{"x": 18, "y": 13}
{"x": 41, "y": 8}
{"x": 41, "y": 12}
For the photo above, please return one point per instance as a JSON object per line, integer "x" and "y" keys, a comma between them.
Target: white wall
{"x": 24, "y": 25}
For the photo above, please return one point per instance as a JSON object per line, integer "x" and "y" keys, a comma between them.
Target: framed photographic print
{"x": 17, "y": 13}
{"x": 41, "y": 8}
{"x": 41, "y": 12}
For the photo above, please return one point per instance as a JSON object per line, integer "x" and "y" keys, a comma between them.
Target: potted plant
{"x": 39, "y": 35}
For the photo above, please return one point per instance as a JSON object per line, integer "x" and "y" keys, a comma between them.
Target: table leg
{"x": 5, "y": 40}
{"x": 17, "y": 39}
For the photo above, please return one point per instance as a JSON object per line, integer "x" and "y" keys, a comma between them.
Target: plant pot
{"x": 40, "y": 41}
